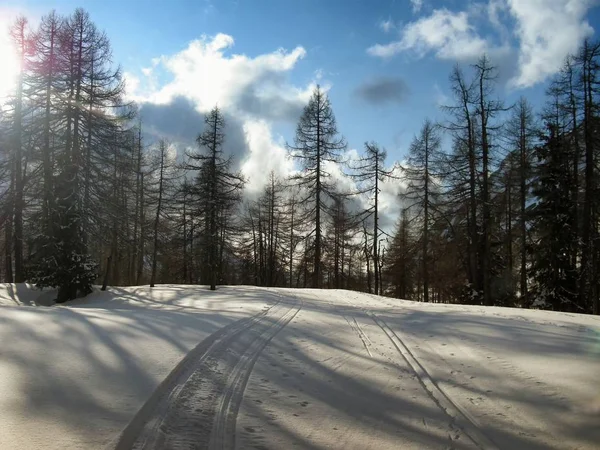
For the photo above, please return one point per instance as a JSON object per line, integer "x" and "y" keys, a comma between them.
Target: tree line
{"x": 499, "y": 203}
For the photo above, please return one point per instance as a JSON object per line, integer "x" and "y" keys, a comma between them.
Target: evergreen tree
{"x": 552, "y": 218}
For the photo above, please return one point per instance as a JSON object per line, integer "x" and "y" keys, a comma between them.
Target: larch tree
{"x": 521, "y": 135}
{"x": 486, "y": 109}
{"x": 462, "y": 173}
{"x": 422, "y": 188}
{"x": 218, "y": 190}
{"x": 370, "y": 172}
{"x": 587, "y": 59}
{"x": 21, "y": 40}
{"x": 164, "y": 177}
{"x": 317, "y": 144}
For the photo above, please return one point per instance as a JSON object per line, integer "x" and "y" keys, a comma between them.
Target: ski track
{"x": 459, "y": 416}
{"x": 473, "y": 412}
{"x": 197, "y": 405}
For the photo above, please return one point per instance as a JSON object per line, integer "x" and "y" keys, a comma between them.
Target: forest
{"x": 499, "y": 202}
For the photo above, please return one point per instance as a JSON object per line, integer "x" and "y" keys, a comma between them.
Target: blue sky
{"x": 386, "y": 62}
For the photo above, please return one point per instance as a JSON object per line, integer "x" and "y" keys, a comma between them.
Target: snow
{"x": 282, "y": 368}
{"x": 72, "y": 377}
{"x": 25, "y": 294}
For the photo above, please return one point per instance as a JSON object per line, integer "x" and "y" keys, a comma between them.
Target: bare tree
{"x": 369, "y": 172}
{"x": 217, "y": 189}
{"x": 422, "y": 187}
{"x": 316, "y": 144}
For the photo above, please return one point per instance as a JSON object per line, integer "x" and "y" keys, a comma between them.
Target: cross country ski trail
{"x": 197, "y": 405}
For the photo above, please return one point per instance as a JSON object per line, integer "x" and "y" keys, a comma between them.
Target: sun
{"x": 9, "y": 64}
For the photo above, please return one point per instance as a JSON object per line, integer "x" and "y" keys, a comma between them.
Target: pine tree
{"x": 553, "y": 271}
{"x": 401, "y": 267}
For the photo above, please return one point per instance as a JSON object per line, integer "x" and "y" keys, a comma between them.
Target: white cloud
{"x": 448, "y": 34}
{"x": 131, "y": 82}
{"x": 494, "y": 9}
{"x": 548, "y": 30}
{"x": 416, "y": 5}
{"x": 265, "y": 155}
{"x": 253, "y": 91}
{"x": 204, "y": 74}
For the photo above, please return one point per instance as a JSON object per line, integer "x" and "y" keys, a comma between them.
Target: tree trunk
{"x": 140, "y": 264}
{"x": 106, "y": 272}
{"x": 18, "y": 151}
{"x": 317, "y": 274}
{"x": 426, "y": 222}
{"x": 523, "y": 206}
{"x": 485, "y": 229}
{"x": 8, "y": 230}
{"x": 376, "y": 226}
{"x": 158, "y": 211}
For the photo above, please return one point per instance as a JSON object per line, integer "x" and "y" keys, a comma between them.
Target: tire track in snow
{"x": 196, "y": 406}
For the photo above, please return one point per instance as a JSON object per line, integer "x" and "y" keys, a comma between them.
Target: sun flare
{"x": 9, "y": 65}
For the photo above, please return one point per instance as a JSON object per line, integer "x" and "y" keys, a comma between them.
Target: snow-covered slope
{"x": 279, "y": 368}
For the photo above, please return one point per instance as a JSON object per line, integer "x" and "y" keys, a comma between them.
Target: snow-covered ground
{"x": 245, "y": 367}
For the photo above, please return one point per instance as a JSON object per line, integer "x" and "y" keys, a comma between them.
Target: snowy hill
{"x": 272, "y": 368}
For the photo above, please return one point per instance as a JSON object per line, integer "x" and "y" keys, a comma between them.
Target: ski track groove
{"x": 360, "y": 333}
{"x": 196, "y": 406}
{"x": 223, "y": 433}
{"x": 460, "y": 416}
